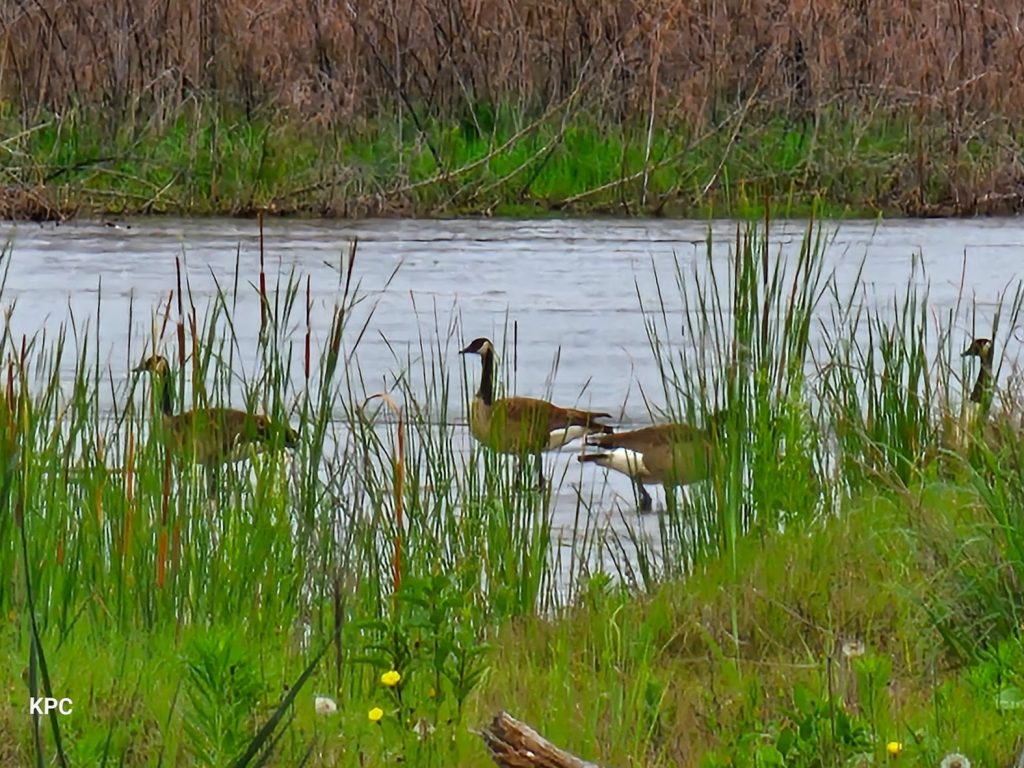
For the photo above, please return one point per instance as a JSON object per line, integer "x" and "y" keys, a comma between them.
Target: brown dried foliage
{"x": 344, "y": 61}
{"x": 32, "y": 204}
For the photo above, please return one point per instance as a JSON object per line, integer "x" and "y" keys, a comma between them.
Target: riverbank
{"x": 437, "y": 108}
{"x": 203, "y": 163}
{"x": 842, "y": 590}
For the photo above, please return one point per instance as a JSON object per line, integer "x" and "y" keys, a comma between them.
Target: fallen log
{"x": 514, "y": 744}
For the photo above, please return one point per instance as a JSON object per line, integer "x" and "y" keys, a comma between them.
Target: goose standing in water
{"x": 523, "y": 425}
{"x": 668, "y": 454}
{"x": 974, "y": 422}
{"x": 981, "y": 393}
{"x": 210, "y": 436}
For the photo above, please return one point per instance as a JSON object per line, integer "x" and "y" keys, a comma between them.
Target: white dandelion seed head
{"x": 853, "y": 648}
{"x": 955, "y": 760}
{"x": 325, "y": 705}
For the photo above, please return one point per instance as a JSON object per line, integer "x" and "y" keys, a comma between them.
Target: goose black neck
{"x": 165, "y": 383}
{"x": 486, "y": 391}
{"x": 982, "y": 385}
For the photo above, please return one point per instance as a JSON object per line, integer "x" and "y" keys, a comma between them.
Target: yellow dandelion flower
{"x": 391, "y": 679}
{"x": 894, "y": 748}
{"x": 432, "y": 693}
{"x": 376, "y": 714}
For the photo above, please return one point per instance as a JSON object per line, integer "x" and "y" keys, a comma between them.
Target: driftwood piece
{"x": 513, "y": 744}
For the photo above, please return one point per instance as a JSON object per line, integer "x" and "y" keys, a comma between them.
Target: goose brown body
{"x": 210, "y": 435}
{"x": 523, "y": 425}
{"x": 673, "y": 454}
{"x": 668, "y": 454}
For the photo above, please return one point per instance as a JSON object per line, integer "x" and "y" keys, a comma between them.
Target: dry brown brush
{"x": 341, "y": 61}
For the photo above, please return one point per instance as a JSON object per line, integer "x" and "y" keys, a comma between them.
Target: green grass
{"x": 656, "y": 680}
{"x": 840, "y": 516}
{"x": 204, "y": 161}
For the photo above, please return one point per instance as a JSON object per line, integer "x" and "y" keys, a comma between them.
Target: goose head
{"x": 479, "y": 346}
{"x": 979, "y": 348}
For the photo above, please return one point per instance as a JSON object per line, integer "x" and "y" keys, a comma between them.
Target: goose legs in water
{"x": 646, "y": 503}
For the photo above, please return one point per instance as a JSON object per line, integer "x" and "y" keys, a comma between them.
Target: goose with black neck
{"x": 523, "y": 426}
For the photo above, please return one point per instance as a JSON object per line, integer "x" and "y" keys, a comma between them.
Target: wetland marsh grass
{"x": 846, "y": 579}
{"x": 215, "y": 161}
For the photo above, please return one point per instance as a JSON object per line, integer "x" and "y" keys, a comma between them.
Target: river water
{"x": 572, "y": 289}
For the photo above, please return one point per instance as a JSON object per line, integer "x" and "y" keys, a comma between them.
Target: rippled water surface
{"x": 570, "y": 287}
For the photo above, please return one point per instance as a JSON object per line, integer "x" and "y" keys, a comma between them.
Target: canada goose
{"x": 523, "y": 425}
{"x": 960, "y": 430}
{"x": 669, "y": 454}
{"x": 211, "y": 435}
{"x": 981, "y": 393}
